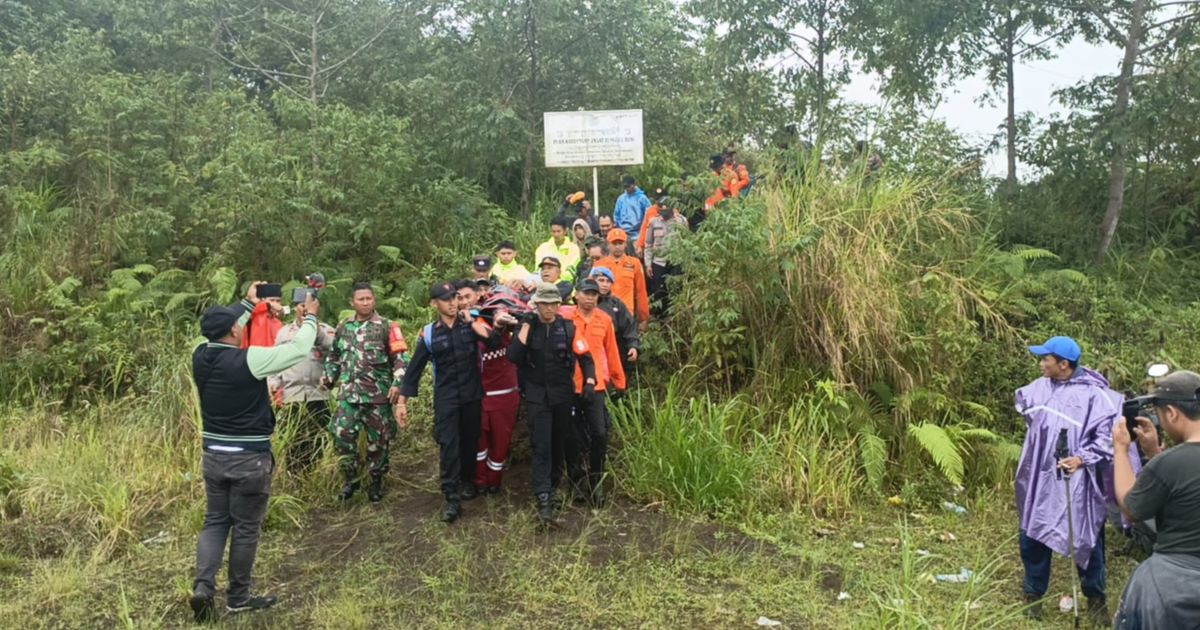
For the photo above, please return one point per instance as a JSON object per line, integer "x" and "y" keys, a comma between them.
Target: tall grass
{"x": 738, "y": 456}
{"x": 867, "y": 280}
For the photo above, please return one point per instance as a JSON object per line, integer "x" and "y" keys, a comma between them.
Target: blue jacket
{"x": 629, "y": 210}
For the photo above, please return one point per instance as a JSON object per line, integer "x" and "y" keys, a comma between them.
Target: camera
{"x": 300, "y": 294}
{"x": 1142, "y": 405}
{"x": 1133, "y": 408}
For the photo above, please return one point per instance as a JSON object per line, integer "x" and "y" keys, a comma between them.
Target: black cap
{"x": 587, "y": 284}
{"x": 1177, "y": 387}
{"x": 482, "y": 263}
{"x": 628, "y": 180}
{"x": 550, "y": 260}
{"x": 442, "y": 291}
{"x": 217, "y": 321}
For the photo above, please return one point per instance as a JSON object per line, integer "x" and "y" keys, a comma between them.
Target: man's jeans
{"x": 1036, "y": 558}
{"x": 238, "y": 486}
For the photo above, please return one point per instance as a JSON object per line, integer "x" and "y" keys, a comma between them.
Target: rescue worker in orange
{"x": 726, "y": 175}
{"x": 591, "y": 417}
{"x": 651, "y": 212}
{"x": 740, "y": 180}
{"x": 629, "y": 276}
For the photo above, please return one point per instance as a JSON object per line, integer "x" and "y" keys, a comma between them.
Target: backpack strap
{"x": 427, "y": 335}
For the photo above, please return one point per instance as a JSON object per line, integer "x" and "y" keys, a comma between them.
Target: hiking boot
{"x": 348, "y": 491}
{"x": 545, "y": 508}
{"x": 204, "y": 609}
{"x": 491, "y": 490}
{"x": 452, "y": 511}
{"x": 375, "y": 492}
{"x": 579, "y": 496}
{"x": 1097, "y": 611}
{"x": 1034, "y": 610}
{"x": 254, "y": 602}
{"x": 469, "y": 492}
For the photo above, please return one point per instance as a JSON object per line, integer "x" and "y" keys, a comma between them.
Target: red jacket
{"x": 262, "y": 327}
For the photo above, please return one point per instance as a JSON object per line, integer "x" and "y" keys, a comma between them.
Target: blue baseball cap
{"x": 603, "y": 271}
{"x": 1061, "y": 347}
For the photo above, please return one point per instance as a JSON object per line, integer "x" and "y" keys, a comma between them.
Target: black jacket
{"x": 457, "y": 378}
{"x": 234, "y": 404}
{"x": 623, "y": 322}
{"x": 547, "y": 362}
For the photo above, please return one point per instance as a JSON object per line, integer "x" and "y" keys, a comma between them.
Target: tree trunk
{"x": 1010, "y": 122}
{"x": 531, "y": 98}
{"x": 821, "y": 73}
{"x": 216, "y": 41}
{"x": 1117, "y": 171}
{"x": 314, "y": 72}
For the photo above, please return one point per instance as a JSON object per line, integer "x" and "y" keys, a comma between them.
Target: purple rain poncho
{"x": 1087, "y": 408}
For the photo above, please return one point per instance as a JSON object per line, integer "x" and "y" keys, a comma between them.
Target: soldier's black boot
{"x": 452, "y": 510}
{"x": 375, "y": 492}
{"x": 348, "y": 490}
{"x": 579, "y": 494}
{"x": 545, "y": 508}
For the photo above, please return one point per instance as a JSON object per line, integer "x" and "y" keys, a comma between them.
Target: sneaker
{"x": 491, "y": 490}
{"x": 452, "y": 511}
{"x": 469, "y": 492}
{"x": 375, "y": 492}
{"x": 348, "y": 491}
{"x": 204, "y": 609}
{"x": 255, "y": 602}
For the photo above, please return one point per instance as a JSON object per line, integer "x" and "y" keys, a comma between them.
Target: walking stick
{"x": 1061, "y": 452}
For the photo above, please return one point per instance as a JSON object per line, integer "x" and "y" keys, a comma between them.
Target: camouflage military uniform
{"x": 366, "y": 359}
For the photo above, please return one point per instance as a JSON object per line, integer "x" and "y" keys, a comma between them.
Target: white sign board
{"x": 604, "y": 138}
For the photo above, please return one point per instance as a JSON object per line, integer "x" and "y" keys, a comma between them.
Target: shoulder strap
{"x": 427, "y": 335}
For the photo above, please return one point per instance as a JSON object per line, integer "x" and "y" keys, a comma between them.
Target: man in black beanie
{"x": 237, "y": 425}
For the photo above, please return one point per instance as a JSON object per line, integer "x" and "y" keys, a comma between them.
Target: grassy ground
{"x": 101, "y": 532}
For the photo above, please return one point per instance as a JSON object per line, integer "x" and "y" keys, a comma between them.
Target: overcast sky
{"x": 1036, "y": 82}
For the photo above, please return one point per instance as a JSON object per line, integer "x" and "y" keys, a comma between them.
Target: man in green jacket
{"x": 237, "y": 421}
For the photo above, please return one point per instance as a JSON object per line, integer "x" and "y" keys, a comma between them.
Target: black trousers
{"x": 589, "y": 435}
{"x": 549, "y": 426}
{"x": 456, "y": 431}
{"x": 660, "y": 296}
{"x": 237, "y": 486}
{"x": 312, "y": 417}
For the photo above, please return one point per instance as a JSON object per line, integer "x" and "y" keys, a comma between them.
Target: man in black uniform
{"x": 452, "y": 344}
{"x": 555, "y": 365}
